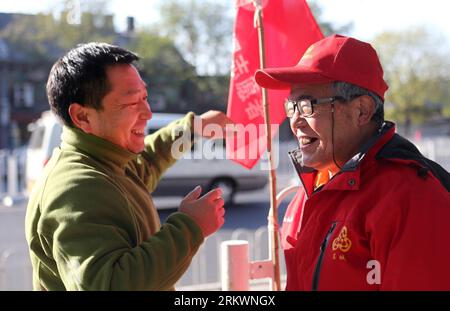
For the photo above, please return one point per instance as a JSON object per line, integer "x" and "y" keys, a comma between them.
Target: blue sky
{"x": 373, "y": 16}
{"x": 369, "y": 17}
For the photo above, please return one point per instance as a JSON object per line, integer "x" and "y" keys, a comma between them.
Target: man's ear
{"x": 366, "y": 109}
{"x": 80, "y": 117}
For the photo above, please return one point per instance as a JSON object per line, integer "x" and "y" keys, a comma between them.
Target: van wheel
{"x": 228, "y": 189}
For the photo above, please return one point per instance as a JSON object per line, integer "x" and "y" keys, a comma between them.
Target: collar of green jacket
{"x": 99, "y": 148}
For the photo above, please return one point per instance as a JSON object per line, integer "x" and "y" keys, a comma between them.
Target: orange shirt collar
{"x": 323, "y": 177}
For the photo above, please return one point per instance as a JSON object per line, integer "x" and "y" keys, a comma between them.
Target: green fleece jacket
{"x": 91, "y": 223}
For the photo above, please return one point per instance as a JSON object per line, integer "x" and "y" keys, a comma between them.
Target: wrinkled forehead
{"x": 314, "y": 90}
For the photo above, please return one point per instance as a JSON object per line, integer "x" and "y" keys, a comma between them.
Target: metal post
{"x": 3, "y": 157}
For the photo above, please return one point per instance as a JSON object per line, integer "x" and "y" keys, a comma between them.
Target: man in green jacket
{"x": 91, "y": 223}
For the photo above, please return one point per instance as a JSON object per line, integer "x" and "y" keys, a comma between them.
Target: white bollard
{"x": 13, "y": 176}
{"x": 235, "y": 265}
{"x": 13, "y": 195}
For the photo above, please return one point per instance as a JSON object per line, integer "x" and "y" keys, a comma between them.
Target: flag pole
{"x": 273, "y": 213}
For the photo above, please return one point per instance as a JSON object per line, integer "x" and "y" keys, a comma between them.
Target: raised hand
{"x": 212, "y": 124}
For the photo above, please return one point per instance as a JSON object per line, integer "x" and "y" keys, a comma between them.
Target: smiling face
{"x": 315, "y": 135}
{"x": 125, "y": 109}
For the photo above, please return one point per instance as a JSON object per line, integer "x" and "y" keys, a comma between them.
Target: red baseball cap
{"x": 334, "y": 58}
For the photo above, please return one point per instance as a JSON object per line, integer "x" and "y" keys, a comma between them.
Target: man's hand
{"x": 206, "y": 211}
{"x": 211, "y": 124}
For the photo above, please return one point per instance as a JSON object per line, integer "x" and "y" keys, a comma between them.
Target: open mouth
{"x": 305, "y": 141}
{"x": 137, "y": 132}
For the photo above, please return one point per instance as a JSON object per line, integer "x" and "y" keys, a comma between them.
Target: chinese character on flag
{"x": 289, "y": 29}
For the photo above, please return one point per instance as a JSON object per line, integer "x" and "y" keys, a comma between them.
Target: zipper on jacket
{"x": 323, "y": 247}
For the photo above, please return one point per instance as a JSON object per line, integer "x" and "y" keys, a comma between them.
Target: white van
{"x": 45, "y": 136}
{"x": 191, "y": 170}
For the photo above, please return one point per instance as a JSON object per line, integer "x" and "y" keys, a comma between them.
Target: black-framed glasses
{"x": 305, "y": 104}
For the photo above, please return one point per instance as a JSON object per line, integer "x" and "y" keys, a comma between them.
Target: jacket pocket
{"x": 323, "y": 247}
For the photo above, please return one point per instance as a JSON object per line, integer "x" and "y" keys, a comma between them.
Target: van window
{"x": 55, "y": 138}
{"x": 37, "y": 137}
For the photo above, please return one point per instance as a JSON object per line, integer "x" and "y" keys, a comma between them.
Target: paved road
{"x": 246, "y": 220}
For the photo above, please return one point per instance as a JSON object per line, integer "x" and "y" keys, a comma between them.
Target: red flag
{"x": 290, "y": 29}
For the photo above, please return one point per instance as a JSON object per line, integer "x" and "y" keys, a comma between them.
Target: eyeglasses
{"x": 305, "y": 104}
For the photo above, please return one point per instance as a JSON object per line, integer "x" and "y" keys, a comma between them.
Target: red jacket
{"x": 381, "y": 223}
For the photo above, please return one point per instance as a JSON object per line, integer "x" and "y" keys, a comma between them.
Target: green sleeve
{"x": 92, "y": 239}
{"x": 158, "y": 156}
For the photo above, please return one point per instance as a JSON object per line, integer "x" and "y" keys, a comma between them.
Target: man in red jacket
{"x": 373, "y": 213}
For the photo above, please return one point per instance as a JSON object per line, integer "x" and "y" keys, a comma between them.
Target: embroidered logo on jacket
{"x": 342, "y": 242}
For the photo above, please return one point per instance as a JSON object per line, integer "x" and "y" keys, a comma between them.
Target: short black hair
{"x": 80, "y": 76}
